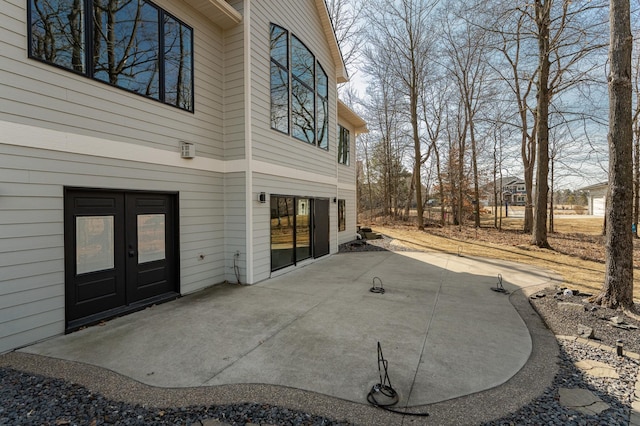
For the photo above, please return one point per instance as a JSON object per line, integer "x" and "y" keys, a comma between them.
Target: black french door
{"x": 120, "y": 252}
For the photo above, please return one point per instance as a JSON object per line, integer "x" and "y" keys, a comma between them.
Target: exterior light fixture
{"x": 187, "y": 150}
{"x": 262, "y": 197}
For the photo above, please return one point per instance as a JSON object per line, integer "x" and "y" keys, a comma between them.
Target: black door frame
{"x": 313, "y": 235}
{"x": 122, "y": 227}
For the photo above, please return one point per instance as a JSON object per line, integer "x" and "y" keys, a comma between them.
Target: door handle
{"x": 132, "y": 252}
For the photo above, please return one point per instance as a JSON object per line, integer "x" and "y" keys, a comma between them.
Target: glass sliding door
{"x": 282, "y": 232}
{"x": 303, "y": 229}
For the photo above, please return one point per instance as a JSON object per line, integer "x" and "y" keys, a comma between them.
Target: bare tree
{"x": 561, "y": 40}
{"x": 347, "y": 19}
{"x": 406, "y": 29}
{"x": 617, "y": 290}
{"x": 465, "y": 47}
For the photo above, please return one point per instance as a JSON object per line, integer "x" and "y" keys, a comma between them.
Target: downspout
{"x": 248, "y": 143}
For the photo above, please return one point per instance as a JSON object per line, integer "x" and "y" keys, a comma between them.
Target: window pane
{"x": 303, "y": 229}
{"x": 151, "y": 239}
{"x": 282, "y": 231}
{"x": 302, "y": 106}
{"x": 279, "y": 98}
{"x": 342, "y": 221}
{"x": 57, "y": 32}
{"x": 279, "y": 46}
{"x": 322, "y": 82}
{"x": 323, "y": 124}
{"x": 346, "y": 147}
{"x": 126, "y": 45}
{"x": 178, "y": 73}
{"x": 94, "y": 244}
{"x": 343, "y": 145}
{"x": 302, "y": 62}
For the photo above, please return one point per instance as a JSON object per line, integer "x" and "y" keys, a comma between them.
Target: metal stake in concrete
{"x": 499, "y": 288}
{"x": 379, "y": 289}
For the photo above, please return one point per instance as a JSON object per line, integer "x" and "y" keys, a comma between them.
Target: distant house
{"x": 596, "y": 197}
{"x": 512, "y": 190}
{"x": 152, "y": 148}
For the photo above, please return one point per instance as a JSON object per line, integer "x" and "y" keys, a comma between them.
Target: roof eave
{"x": 219, "y": 12}
{"x": 327, "y": 27}
{"x": 350, "y": 116}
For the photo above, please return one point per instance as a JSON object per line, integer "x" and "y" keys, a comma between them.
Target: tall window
{"x": 343, "y": 145}
{"x": 299, "y": 90}
{"x": 342, "y": 218}
{"x": 131, "y": 44}
{"x": 279, "y": 79}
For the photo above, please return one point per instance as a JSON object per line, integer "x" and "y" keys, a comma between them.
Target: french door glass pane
{"x": 94, "y": 244}
{"x": 282, "y": 232}
{"x": 303, "y": 229}
{"x": 151, "y": 238}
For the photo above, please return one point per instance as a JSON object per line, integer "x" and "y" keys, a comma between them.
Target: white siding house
{"x": 596, "y": 198}
{"x": 102, "y": 212}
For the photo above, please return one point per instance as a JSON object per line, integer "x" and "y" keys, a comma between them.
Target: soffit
{"x": 219, "y": 12}
{"x": 347, "y": 114}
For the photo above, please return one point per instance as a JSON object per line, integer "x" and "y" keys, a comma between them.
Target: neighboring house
{"x": 512, "y": 189}
{"x": 596, "y": 197}
{"x": 150, "y": 149}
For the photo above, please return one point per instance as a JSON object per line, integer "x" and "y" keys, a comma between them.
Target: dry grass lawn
{"x": 578, "y": 254}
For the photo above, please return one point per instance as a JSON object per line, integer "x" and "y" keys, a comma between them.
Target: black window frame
{"x": 342, "y": 215}
{"x": 344, "y": 145}
{"x": 88, "y": 25}
{"x": 293, "y": 80}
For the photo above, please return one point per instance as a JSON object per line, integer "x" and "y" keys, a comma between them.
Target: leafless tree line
{"x": 461, "y": 95}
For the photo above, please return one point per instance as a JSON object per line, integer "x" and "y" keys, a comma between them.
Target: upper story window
{"x": 131, "y": 44}
{"x": 343, "y": 145}
{"x": 299, "y": 90}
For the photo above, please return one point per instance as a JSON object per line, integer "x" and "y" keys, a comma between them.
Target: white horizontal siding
{"x": 301, "y": 18}
{"x": 34, "y": 93}
{"x": 236, "y": 225}
{"x": 32, "y": 229}
{"x": 234, "y": 90}
{"x": 349, "y": 234}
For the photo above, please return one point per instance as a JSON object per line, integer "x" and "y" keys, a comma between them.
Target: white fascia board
{"x": 54, "y": 140}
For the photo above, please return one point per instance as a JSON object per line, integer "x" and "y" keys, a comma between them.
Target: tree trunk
{"x": 636, "y": 171}
{"x": 474, "y": 162}
{"x": 417, "y": 156}
{"x": 542, "y": 8}
{"x": 528, "y": 160}
{"x": 551, "y": 226}
{"x": 617, "y": 289}
{"x": 440, "y": 183}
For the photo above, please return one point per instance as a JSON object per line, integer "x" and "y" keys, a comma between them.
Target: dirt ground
{"x": 577, "y": 252}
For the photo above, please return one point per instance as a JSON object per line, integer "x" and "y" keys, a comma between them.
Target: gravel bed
{"x": 617, "y": 393}
{"x": 565, "y": 321}
{"x": 28, "y": 399}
